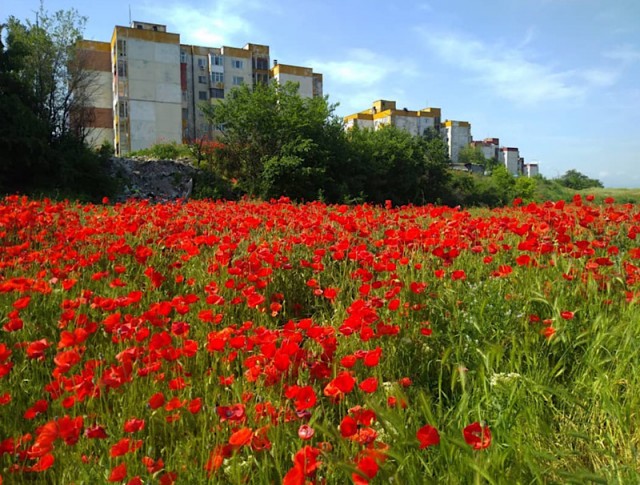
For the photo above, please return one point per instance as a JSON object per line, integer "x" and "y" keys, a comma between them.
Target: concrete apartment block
{"x": 149, "y": 88}
{"x": 384, "y": 112}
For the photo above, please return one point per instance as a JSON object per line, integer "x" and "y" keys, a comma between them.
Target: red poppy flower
{"x": 44, "y": 463}
{"x": 348, "y": 426}
{"x": 195, "y": 405}
{"x": 372, "y": 357}
{"x": 477, "y": 435}
{"x": 369, "y": 385}
{"x": 95, "y": 432}
{"x": 305, "y": 398}
{"x": 241, "y": 437}
{"x": 368, "y": 468}
{"x": 428, "y": 436}
{"x": 133, "y": 425}
{"x": 348, "y": 361}
{"x": 344, "y": 382}
{"x": 119, "y": 473}
{"x": 156, "y": 401}
{"x": 548, "y": 332}
{"x": 305, "y": 432}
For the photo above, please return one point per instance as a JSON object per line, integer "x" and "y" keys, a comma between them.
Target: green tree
{"x": 43, "y": 85}
{"x": 276, "y": 142}
{"x": 578, "y": 181}
{"x": 525, "y": 188}
{"x": 472, "y": 154}
{"x": 391, "y": 164}
{"x": 505, "y": 184}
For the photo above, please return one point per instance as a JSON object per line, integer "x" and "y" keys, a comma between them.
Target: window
{"x": 262, "y": 63}
{"x": 122, "y": 48}
{"x": 217, "y": 77}
{"x": 217, "y": 93}
{"x": 202, "y": 63}
{"x": 238, "y": 80}
{"x": 202, "y": 79}
{"x": 122, "y": 68}
{"x": 202, "y": 95}
{"x": 216, "y": 60}
{"x": 183, "y": 57}
{"x": 123, "y": 109}
{"x": 262, "y": 78}
{"x": 237, "y": 63}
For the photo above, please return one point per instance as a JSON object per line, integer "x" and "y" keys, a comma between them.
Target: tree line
{"x": 43, "y": 87}
{"x": 272, "y": 143}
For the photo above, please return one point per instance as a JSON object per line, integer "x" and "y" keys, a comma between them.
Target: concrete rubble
{"x": 154, "y": 180}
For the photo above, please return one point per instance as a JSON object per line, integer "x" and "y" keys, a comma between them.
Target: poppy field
{"x": 271, "y": 342}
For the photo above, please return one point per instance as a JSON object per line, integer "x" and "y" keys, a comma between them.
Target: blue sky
{"x": 559, "y": 79}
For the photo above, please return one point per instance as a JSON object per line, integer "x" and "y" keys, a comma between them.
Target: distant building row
{"x": 457, "y": 134}
{"x": 148, "y": 85}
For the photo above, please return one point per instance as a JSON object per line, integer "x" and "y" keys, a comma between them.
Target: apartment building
{"x": 489, "y": 147}
{"x": 210, "y": 73}
{"x": 530, "y": 169}
{"x": 510, "y": 157}
{"x": 310, "y": 83}
{"x": 149, "y": 87}
{"x": 457, "y": 134}
{"x": 96, "y": 59}
{"x": 384, "y": 112}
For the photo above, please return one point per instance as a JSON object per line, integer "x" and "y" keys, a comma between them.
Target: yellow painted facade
{"x": 279, "y": 69}
{"x": 449, "y": 123}
{"x": 94, "y": 45}
{"x": 236, "y": 52}
{"x": 141, "y": 34}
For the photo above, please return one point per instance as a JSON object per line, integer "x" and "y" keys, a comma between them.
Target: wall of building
{"x": 531, "y": 169}
{"x": 458, "y": 136}
{"x": 237, "y": 68}
{"x": 95, "y": 57}
{"x": 310, "y": 84}
{"x": 147, "y": 97}
{"x": 511, "y": 159}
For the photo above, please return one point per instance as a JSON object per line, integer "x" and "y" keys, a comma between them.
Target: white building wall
{"x": 231, "y": 71}
{"x": 488, "y": 151}
{"x": 424, "y": 123}
{"x": 458, "y": 137}
{"x": 531, "y": 169}
{"x": 100, "y": 94}
{"x": 97, "y": 136}
{"x": 407, "y": 123}
{"x": 154, "y": 93}
{"x": 305, "y": 83}
{"x": 511, "y": 160}
{"x": 380, "y": 122}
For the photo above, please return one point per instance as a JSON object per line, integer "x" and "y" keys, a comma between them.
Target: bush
{"x": 165, "y": 151}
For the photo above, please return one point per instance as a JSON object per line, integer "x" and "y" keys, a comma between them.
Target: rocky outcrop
{"x": 155, "y": 180}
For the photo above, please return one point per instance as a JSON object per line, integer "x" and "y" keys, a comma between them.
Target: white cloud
{"x": 625, "y": 53}
{"x": 361, "y": 67}
{"x": 510, "y": 74}
{"x": 210, "y": 23}
{"x": 601, "y": 77}
{"x": 359, "y": 78}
